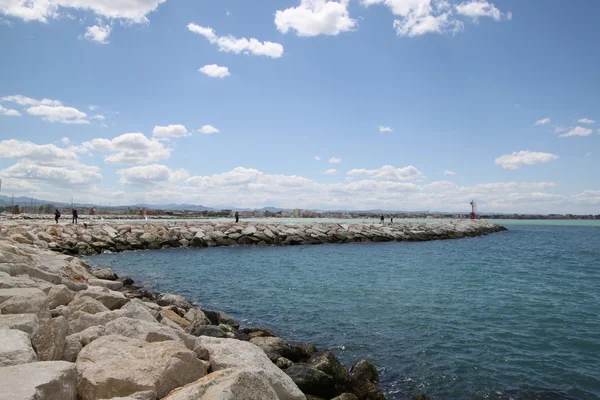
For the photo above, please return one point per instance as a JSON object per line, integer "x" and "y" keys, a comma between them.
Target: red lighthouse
{"x": 473, "y": 204}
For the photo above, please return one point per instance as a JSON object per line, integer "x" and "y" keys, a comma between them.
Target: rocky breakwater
{"x": 68, "y": 332}
{"x": 87, "y": 239}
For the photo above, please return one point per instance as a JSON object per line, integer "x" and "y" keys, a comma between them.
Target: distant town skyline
{"x": 297, "y": 104}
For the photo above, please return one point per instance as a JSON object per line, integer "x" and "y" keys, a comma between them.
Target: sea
{"x": 512, "y": 315}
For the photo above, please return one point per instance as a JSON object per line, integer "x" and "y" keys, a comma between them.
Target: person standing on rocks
{"x": 237, "y": 217}
{"x": 391, "y": 219}
{"x": 75, "y": 216}
{"x": 56, "y": 215}
{"x": 382, "y": 219}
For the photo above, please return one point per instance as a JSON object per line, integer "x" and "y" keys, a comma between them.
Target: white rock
{"x": 50, "y": 380}
{"x": 61, "y": 310}
{"x": 138, "y": 329}
{"x": 88, "y": 305}
{"x": 24, "y": 322}
{"x": 80, "y": 320}
{"x": 229, "y": 353}
{"x": 112, "y": 285}
{"x": 15, "y": 348}
{"x": 114, "y": 366}
{"x": 239, "y": 383}
{"x": 90, "y": 334}
{"x": 139, "y": 310}
{"x": 109, "y": 298}
{"x": 22, "y": 281}
{"x": 60, "y": 295}
{"x": 105, "y": 273}
{"x": 49, "y": 339}
{"x": 72, "y": 348}
{"x": 24, "y": 301}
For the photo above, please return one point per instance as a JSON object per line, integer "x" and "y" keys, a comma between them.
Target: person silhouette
{"x": 237, "y": 217}
{"x": 56, "y": 215}
{"x": 382, "y": 219}
{"x": 75, "y": 216}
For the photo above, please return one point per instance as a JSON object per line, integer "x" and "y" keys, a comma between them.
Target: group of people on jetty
{"x": 57, "y": 215}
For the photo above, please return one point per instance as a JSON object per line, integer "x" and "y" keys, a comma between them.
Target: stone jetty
{"x": 69, "y": 332}
{"x": 94, "y": 238}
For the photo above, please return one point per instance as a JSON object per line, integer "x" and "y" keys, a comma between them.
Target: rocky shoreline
{"x": 68, "y": 332}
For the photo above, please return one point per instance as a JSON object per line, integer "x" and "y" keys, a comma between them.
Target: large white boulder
{"x": 139, "y": 310}
{"x": 88, "y": 305}
{"x": 239, "y": 383}
{"x": 49, "y": 339}
{"x": 15, "y": 348}
{"x": 80, "y": 320}
{"x": 24, "y": 301}
{"x": 116, "y": 366}
{"x": 50, "y": 380}
{"x": 111, "y": 299}
{"x": 24, "y": 322}
{"x": 139, "y": 329}
{"x": 60, "y": 295}
{"x": 229, "y": 353}
{"x": 21, "y": 281}
{"x": 112, "y": 285}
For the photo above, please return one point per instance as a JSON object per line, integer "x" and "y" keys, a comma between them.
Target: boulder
{"x": 27, "y": 323}
{"x": 49, "y": 339}
{"x": 208, "y": 330}
{"x": 88, "y": 305}
{"x": 239, "y": 383}
{"x": 345, "y": 396}
{"x": 15, "y": 348}
{"x": 283, "y": 363}
{"x": 112, "y": 285}
{"x": 114, "y": 366}
{"x": 139, "y": 310}
{"x": 171, "y": 324}
{"x": 364, "y": 381}
{"x": 80, "y": 320}
{"x": 105, "y": 273}
{"x": 167, "y": 299}
{"x": 145, "y": 395}
{"x": 21, "y": 281}
{"x": 312, "y": 381}
{"x": 59, "y": 295}
{"x": 173, "y": 316}
{"x": 88, "y": 335}
{"x": 24, "y": 301}
{"x": 327, "y": 362}
{"x": 61, "y": 311}
{"x": 48, "y": 380}
{"x": 72, "y": 348}
{"x": 111, "y": 299}
{"x": 197, "y": 317}
{"x": 138, "y": 329}
{"x": 229, "y": 353}
{"x": 275, "y": 346}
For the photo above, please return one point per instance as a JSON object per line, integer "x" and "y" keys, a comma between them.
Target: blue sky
{"x": 407, "y": 104}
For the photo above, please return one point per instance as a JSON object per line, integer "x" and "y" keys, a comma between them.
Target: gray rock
{"x": 208, "y": 330}
{"x": 24, "y": 301}
{"x": 61, "y": 311}
{"x": 79, "y": 320}
{"x": 140, "y": 310}
{"x": 116, "y": 366}
{"x": 283, "y": 363}
{"x": 60, "y": 295}
{"x": 15, "y": 348}
{"x": 111, "y": 299}
{"x": 88, "y": 305}
{"x": 49, "y": 380}
{"x": 49, "y": 339}
{"x": 27, "y": 323}
{"x": 312, "y": 381}
{"x": 146, "y": 395}
{"x": 112, "y": 285}
{"x": 167, "y": 299}
{"x": 72, "y": 348}
{"x": 22, "y": 281}
{"x": 138, "y": 329}
{"x": 88, "y": 335}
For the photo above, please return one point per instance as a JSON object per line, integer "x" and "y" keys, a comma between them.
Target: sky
{"x": 311, "y": 104}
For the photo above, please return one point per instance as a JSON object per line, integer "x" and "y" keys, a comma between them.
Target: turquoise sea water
{"x": 514, "y": 315}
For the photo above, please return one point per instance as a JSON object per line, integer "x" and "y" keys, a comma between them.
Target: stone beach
{"x": 70, "y": 332}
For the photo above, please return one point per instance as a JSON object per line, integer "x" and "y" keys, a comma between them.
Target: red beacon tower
{"x": 473, "y": 204}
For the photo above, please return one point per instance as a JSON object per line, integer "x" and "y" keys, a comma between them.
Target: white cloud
{"x": 98, "y": 117}
{"x": 149, "y": 175}
{"x": 317, "y": 158}
{"x": 93, "y": 107}
{"x": 28, "y": 101}
{"x": 331, "y": 171}
{"x": 62, "y": 114}
{"x": 335, "y": 160}
{"x": 544, "y": 121}
{"x": 133, "y": 11}
{"x": 416, "y": 25}
{"x": 170, "y": 131}
{"x": 524, "y": 157}
{"x": 98, "y": 33}
{"x": 578, "y": 131}
{"x": 9, "y": 112}
{"x": 215, "y": 71}
{"x": 388, "y": 172}
{"x": 383, "y": 129}
{"x": 230, "y": 44}
{"x": 61, "y": 176}
{"x": 479, "y": 8}
{"x": 449, "y": 173}
{"x": 208, "y": 130}
{"x": 45, "y": 154}
{"x": 586, "y": 121}
{"x": 130, "y": 148}
{"x": 316, "y": 17}
{"x": 65, "y": 141}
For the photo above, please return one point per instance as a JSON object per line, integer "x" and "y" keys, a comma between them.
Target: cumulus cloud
{"x": 65, "y": 141}
{"x": 134, "y": 11}
{"x": 170, "y": 131}
{"x": 331, "y": 171}
{"x": 335, "y": 160}
{"x": 45, "y": 154}
{"x": 9, "y": 112}
{"x": 28, "y": 101}
{"x": 544, "y": 121}
{"x": 316, "y": 17}
{"x": 388, "y": 172}
{"x": 50, "y": 110}
{"x": 230, "y": 44}
{"x": 60, "y": 176}
{"x": 130, "y": 148}
{"x": 586, "y": 121}
{"x": 524, "y": 157}
{"x": 317, "y": 158}
{"x": 149, "y": 175}
{"x": 578, "y": 131}
{"x": 418, "y": 17}
{"x": 449, "y": 173}
{"x": 98, "y": 33}
{"x": 383, "y": 129}
{"x": 215, "y": 71}
{"x": 208, "y": 130}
